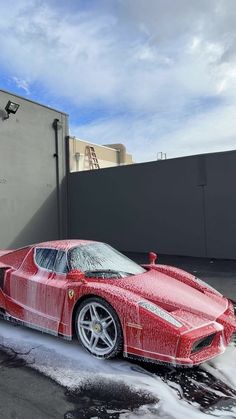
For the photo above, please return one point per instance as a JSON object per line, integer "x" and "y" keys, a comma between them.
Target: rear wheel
{"x": 98, "y": 328}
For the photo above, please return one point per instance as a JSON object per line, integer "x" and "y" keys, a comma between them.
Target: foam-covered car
{"x": 113, "y": 305}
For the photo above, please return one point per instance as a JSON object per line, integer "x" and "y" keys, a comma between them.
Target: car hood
{"x": 174, "y": 295}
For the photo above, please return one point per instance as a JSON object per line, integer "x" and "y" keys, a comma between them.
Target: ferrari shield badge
{"x": 71, "y": 294}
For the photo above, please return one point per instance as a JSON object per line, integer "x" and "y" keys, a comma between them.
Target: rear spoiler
{"x": 4, "y": 266}
{"x": 2, "y": 253}
{"x": 5, "y": 252}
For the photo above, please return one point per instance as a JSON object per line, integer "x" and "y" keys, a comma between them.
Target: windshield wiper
{"x": 106, "y": 271}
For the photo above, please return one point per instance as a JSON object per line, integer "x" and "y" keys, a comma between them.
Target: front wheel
{"x": 98, "y": 328}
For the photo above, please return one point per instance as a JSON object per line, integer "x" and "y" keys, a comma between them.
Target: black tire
{"x": 115, "y": 328}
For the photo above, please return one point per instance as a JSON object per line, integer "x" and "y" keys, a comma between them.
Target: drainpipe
{"x": 57, "y": 125}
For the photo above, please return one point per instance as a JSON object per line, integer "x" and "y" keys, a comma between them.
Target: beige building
{"x": 87, "y": 156}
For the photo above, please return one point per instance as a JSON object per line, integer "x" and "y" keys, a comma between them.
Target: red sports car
{"x": 155, "y": 312}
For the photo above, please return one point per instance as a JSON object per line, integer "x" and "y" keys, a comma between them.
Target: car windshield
{"x": 101, "y": 257}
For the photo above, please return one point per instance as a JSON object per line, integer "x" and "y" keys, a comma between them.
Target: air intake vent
{"x": 203, "y": 343}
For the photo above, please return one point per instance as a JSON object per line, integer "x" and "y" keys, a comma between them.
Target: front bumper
{"x": 195, "y": 346}
{"x": 221, "y": 331}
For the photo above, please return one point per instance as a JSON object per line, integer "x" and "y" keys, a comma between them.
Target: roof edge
{"x": 33, "y": 101}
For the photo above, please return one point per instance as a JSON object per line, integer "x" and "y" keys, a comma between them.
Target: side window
{"x": 61, "y": 263}
{"x": 45, "y": 258}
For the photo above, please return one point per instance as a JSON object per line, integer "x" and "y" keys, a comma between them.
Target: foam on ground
{"x": 69, "y": 365}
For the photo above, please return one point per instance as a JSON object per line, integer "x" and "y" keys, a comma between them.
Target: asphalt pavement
{"x": 27, "y": 394}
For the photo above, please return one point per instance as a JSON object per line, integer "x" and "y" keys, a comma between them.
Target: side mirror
{"x": 152, "y": 258}
{"x": 75, "y": 275}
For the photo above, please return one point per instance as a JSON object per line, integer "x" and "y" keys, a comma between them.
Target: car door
{"x": 27, "y": 287}
{"x": 56, "y": 290}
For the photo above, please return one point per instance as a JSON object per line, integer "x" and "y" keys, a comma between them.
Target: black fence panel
{"x": 150, "y": 206}
{"x": 184, "y": 206}
{"x": 220, "y": 205}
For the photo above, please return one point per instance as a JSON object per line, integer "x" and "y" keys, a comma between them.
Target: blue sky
{"x": 157, "y": 75}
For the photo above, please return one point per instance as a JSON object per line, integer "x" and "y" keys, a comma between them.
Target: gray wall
{"x": 28, "y": 187}
{"x": 183, "y": 206}
{"x": 220, "y": 205}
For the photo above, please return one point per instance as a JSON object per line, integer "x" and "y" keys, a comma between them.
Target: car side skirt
{"x": 20, "y": 322}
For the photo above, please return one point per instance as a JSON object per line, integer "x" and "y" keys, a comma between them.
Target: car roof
{"x": 63, "y": 244}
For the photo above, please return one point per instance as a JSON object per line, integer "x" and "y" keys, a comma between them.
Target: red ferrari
{"x": 155, "y": 312}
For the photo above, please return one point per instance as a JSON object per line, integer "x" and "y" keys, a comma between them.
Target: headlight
{"x": 160, "y": 313}
{"x": 199, "y": 281}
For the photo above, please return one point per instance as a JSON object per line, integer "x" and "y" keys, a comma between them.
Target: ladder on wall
{"x": 90, "y": 157}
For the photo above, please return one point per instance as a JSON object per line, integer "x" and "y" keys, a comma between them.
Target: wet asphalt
{"x": 28, "y": 394}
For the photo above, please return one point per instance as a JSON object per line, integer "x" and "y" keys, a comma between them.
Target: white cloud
{"x": 144, "y": 137}
{"x": 168, "y": 67}
{"x": 22, "y": 84}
